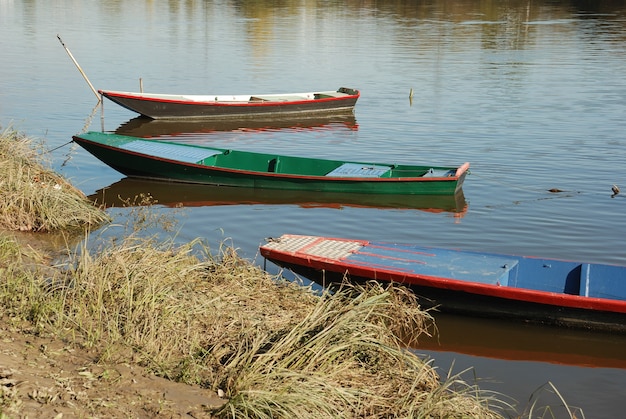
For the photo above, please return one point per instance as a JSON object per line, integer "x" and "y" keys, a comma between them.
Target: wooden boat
{"x": 124, "y": 192}
{"x": 181, "y": 162}
{"x": 167, "y": 106}
{"x": 583, "y": 295}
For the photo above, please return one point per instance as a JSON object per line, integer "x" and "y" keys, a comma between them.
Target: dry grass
{"x": 340, "y": 360}
{"x": 35, "y": 198}
{"x": 274, "y": 348}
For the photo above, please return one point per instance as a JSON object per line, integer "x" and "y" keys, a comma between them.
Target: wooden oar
{"x": 80, "y": 69}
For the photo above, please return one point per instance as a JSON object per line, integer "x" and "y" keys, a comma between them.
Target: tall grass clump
{"x": 341, "y": 361}
{"x": 22, "y": 283}
{"x": 35, "y": 198}
{"x": 276, "y": 349}
{"x": 10, "y": 267}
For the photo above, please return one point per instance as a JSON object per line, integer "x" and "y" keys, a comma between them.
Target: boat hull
{"x": 202, "y": 107}
{"x": 157, "y": 160}
{"x": 417, "y": 267}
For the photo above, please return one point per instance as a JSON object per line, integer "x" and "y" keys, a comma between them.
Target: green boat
{"x": 188, "y": 163}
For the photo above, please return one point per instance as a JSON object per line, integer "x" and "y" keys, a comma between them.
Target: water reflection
{"x": 150, "y": 128}
{"x": 126, "y": 191}
{"x": 497, "y": 25}
{"x": 525, "y": 342}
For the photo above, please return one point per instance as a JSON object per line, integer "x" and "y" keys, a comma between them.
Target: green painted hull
{"x": 150, "y": 159}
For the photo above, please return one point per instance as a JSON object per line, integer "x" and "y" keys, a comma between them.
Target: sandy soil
{"x": 44, "y": 378}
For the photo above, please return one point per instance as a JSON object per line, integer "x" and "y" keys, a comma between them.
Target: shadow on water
{"x": 148, "y": 128}
{"x": 507, "y": 340}
{"x": 171, "y": 194}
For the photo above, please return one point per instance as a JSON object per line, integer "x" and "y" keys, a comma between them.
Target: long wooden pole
{"x": 80, "y": 69}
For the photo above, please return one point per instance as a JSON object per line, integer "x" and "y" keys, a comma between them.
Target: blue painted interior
{"x": 574, "y": 278}
{"x": 604, "y": 281}
{"x": 170, "y": 151}
{"x": 487, "y": 269}
{"x": 359, "y": 170}
{"x": 548, "y": 275}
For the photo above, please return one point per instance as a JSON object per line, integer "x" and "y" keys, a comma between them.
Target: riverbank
{"x": 140, "y": 326}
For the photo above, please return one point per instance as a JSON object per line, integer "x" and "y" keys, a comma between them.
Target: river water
{"x": 531, "y": 93}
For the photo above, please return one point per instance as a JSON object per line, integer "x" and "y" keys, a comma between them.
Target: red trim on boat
{"x": 363, "y": 270}
{"x": 267, "y": 174}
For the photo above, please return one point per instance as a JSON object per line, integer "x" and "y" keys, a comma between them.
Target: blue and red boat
{"x": 563, "y": 293}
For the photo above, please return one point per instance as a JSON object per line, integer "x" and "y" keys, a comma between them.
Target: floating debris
{"x": 615, "y": 190}
{"x": 555, "y": 190}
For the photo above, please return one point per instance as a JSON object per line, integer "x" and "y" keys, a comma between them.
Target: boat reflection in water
{"x": 147, "y": 128}
{"x": 173, "y": 194}
{"x": 500, "y": 339}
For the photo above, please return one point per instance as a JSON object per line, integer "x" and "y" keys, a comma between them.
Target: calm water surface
{"x": 533, "y": 94}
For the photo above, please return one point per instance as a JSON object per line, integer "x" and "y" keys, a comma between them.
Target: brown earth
{"x": 46, "y": 378}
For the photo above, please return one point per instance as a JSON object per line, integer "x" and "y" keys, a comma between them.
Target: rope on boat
{"x": 62, "y": 145}
{"x": 85, "y": 127}
{"x": 68, "y": 156}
